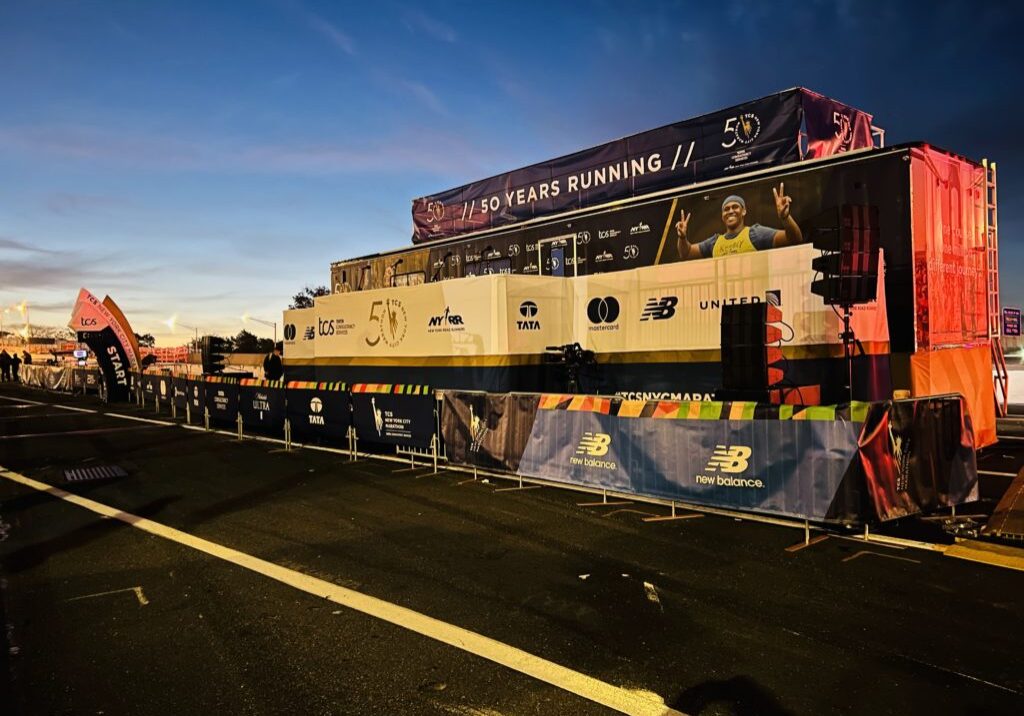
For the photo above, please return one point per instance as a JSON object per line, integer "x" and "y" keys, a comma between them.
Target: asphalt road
{"x": 711, "y": 614}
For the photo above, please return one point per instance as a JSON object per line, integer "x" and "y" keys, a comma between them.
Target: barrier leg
{"x": 174, "y": 410}
{"x": 287, "y": 434}
{"x": 520, "y": 487}
{"x": 206, "y": 418}
{"x": 238, "y": 422}
{"x": 157, "y": 403}
{"x": 674, "y": 516}
{"x": 604, "y": 501}
{"x": 188, "y": 412}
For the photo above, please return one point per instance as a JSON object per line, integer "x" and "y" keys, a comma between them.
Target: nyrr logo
{"x": 528, "y": 310}
{"x": 289, "y": 332}
{"x": 591, "y": 447}
{"x": 729, "y": 459}
{"x": 660, "y": 309}
{"x": 594, "y": 444}
{"x": 732, "y": 460}
{"x": 446, "y": 319}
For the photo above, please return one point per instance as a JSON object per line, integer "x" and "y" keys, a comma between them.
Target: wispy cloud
{"x": 425, "y": 95}
{"x": 15, "y": 245}
{"x": 332, "y": 32}
{"x": 416, "y": 22}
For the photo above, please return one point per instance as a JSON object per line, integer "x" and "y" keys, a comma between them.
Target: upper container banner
{"x": 762, "y": 133}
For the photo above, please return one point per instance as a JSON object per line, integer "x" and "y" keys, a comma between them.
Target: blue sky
{"x": 211, "y": 158}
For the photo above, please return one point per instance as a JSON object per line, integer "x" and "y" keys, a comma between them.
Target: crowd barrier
{"x": 66, "y": 379}
{"x": 840, "y": 464}
{"x": 845, "y": 464}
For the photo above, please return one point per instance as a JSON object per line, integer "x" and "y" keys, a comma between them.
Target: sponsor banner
{"x": 488, "y": 430}
{"x": 315, "y": 412}
{"x": 179, "y": 392}
{"x": 535, "y": 314}
{"x": 833, "y": 127}
{"x": 86, "y": 379}
{"x": 794, "y": 468}
{"x": 262, "y": 405}
{"x": 196, "y": 392}
{"x": 222, "y": 400}
{"x": 749, "y": 136}
{"x": 1011, "y": 322}
{"x": 49, "y": 377}
{"x": 406, "y": 420}
{"x": 102, "y": 326}
{"x": 299, "y": 333}
{"x": 918, "y": 456}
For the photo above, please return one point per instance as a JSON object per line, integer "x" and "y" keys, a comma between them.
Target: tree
{"x": 246, "y": 342}
{"x": 146, "y": 340}
{"x": 304, "y": 298}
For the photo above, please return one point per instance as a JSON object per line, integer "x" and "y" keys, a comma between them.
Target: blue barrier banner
{"x": 318, "y": 413}
{"x": 406, "y": 420}
{"x": 262, "y": 406}
{"x": 793, "y": 468}
{"x": 196, "y": 398}
{"x": 222, "y": 400}
{"x": 179, "y": 392}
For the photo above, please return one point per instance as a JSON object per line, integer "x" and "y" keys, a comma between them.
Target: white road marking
{"x": 137, "y": 590}
{"x": 614, "y": 697}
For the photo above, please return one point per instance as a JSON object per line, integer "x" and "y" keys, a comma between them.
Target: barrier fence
{"x": 842, "y": 464}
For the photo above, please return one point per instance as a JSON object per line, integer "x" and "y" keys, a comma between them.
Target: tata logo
{"x": 592, "y": 447}
{"x": 659, "y": 309}
{"x": 325, "y": 328}
{"x": 316, "y": 407}
{"x": 87, "y": 321}
{"x": 630, "y": 252}
{"x": 446, "y": 319}
{"x": 289, "y": 331}
{"x": 603, "y": 310}
{"x": 640, "y": 228}
{"x": 528, "y": 310}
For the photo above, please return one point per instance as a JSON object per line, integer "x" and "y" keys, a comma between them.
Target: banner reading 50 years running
{"x": 750, "y": 136}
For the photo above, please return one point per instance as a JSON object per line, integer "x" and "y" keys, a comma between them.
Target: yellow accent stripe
{"x": 995, "y": 554}
{"x": 664, "y": 234}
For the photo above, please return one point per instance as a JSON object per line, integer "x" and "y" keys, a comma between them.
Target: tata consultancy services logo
{"x": 659, "y": 309}
{"x": 289, "y": 331}
{"x": 316, "y": 408}
{"x": 603, "y": 313}
{"x": 528, "y": 310}
{"x": 591, "y": 447}
{"x": 732, "y": 460}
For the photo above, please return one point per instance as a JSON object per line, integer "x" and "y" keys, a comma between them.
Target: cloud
{"x": 332, "y": 32}
{"x": 425, "y": 95}
{"x": 416, "y": 21}
{"x": 15, "y": 245}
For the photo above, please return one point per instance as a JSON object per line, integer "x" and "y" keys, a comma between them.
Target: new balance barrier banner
{"x": 102, "y": 326}
{"x": 406, "y": 420}
{"x": 918, "y": 455}
{"x": 196, "y": 398}
{"x": 179, "y": 392}
{"x": 784, "y": 467}
{"x": 222, "y": 399}
{"x": 760, "y": 133}
{"x": 318, "y": 412}
{"x": 262, "y": 405}
{"x": 489, "y": 430}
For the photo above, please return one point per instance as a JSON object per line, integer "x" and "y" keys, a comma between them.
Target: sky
{"x": 210, "y": 159}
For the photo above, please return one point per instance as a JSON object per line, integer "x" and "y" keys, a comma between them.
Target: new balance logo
{"x": 594, "y": 444}
{"x": 659, "y": 309}
{"x": 729, "y": 459}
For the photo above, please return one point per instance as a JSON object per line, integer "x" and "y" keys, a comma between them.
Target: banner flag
{"x": 833, "y": 127}
{"x": 262, "y": 404}
{"x": 489, "y": 430}
{"x": 196, "y": 398}
{"x": 102, "y": 326}
{"x": 319, "y": 411}
{"x": 406, "y": 420}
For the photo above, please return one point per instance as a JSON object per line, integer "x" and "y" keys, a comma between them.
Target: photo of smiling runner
{"x": 739, "y": 238}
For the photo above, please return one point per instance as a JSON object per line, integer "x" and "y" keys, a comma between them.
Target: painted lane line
{"x": 864, "y": 552}
{"x": 9, "y": 418}
{"x": 65, "y": 433}
{"x": 136, "y": 590}
{"x": 587, "y": 687}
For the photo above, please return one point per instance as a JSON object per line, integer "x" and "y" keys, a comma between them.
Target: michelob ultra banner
{"x": 262, "y": 404}
{"x": 102, "y": 326}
